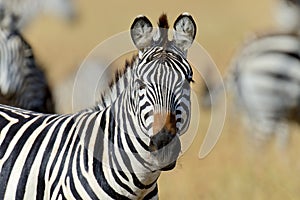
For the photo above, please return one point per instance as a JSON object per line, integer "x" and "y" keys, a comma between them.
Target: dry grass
{"x": 230, "y": 171}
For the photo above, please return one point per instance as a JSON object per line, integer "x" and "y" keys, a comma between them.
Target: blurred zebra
{"x": 22, "y": 83}
{"x": 264, "y": 81}
{"x": 27, "y": 10}
{"x": 287, "y": 15}
{"x": 118, "y": 149}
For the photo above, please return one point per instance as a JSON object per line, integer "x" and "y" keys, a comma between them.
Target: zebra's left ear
{"x": 184, "y": 31}
{"x": 141, "y": 32}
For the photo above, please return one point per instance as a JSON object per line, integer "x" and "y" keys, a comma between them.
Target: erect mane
{"x": 117, "y": 85}
{"x": 120, "y": 72}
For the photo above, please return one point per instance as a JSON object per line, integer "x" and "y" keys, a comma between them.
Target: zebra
{"x": 287, "y": 15}
{"x": 118, "y": 148}
{"x": 22, "y": 83}
{"x": 263, "y": 81}
{"x": 28, "y": 10}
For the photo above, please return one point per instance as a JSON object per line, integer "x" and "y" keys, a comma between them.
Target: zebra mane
{"x": 117, "y": 85}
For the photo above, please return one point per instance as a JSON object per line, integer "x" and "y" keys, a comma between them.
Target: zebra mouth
{"x": 165, "y": 148}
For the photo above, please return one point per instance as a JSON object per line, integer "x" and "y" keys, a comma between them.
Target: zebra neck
{"x": 117, "y": 149}
{"x": 117, "y": 86}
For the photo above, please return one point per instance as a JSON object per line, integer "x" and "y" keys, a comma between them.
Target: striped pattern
{"x": 112, "y": 150}
{"x": 22, "y": 83}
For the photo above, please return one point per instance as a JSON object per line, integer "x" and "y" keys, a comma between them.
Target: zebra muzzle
{"x": 165, "y": 144}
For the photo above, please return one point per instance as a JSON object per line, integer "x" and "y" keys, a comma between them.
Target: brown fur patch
{"x": 165, "y": 121}
{"x": 163, "y": 28}
{"x": 163, "y": 21}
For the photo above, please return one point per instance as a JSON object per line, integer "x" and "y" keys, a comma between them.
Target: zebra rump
{"x": 22, "y": 83}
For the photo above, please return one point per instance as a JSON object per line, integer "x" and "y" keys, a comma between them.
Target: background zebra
{"x": 118, "y": 149}
{"x": 263, "y": 79}
{"x": 22, "y": 83}
{"x": 27, "y": 10}
{"x": 264, "y": 83}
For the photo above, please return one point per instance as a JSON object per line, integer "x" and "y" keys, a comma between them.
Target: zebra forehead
{"x": 163, "y": 21}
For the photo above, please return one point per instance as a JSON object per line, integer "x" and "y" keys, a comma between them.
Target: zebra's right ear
{"x": 141, "y": 32}
{"x": 184, "y": 31}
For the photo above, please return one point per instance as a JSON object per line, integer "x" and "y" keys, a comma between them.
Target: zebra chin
{"x": 165, "y": 148}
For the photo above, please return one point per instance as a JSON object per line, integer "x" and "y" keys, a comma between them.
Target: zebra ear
{"x": 184, "y": 31}
{"x": 141, "y": 32}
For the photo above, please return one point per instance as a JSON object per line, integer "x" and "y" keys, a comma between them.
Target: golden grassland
{"x": 232, "y": 170}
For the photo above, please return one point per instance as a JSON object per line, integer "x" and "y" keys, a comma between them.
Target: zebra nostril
{"x": 160, "y": 140}
{"x": 165, "y": 147}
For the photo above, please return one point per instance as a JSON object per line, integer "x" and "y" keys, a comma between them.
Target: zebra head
{"x": 161, "y": 93}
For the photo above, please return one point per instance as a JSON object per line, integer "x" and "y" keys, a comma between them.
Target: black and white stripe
{"x": 22, "y": 83}
{"x": 113, "y": 151}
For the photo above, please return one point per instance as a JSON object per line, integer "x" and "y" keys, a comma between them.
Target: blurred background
{"x": 233, "y": 170}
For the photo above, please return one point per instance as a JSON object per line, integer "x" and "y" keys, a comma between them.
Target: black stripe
{"x": 97, "y": 164}
{"x": 113, "y": 154}
{"x": 35, "y": 148}
{"x": 126, "y": 160}
{"x": 73, "y": 188}
{"x": 12, "y": 130}
{"x": 45, "y": 160}
{"x": 119, "y": 182}
{"x": 62, "y": 142}
{"x": 130, "y": 121}
{"x": 61, "y": 194}
{"x": 88, "y": 134}
{"x": 62, "y": 164}
{"x": 82, "y": 179}
{"x": 9, "y": 163}
{"x": 291, "y": 54}
{"x": 151, "y": 194}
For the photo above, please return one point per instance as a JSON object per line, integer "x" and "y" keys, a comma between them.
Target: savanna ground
{"x": 231, "y": 170}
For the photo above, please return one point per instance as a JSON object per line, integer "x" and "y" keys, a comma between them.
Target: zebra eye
{"x": 149, "y": 58}
{"x": 141, "y": 84}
